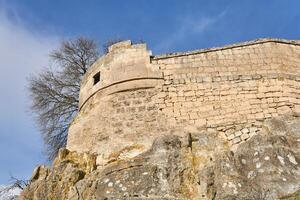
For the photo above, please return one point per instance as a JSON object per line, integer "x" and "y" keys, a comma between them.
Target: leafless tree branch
{"x": 55, "y": 91}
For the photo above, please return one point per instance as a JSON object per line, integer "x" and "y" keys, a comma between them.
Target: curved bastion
{"x": 129, "y": 97}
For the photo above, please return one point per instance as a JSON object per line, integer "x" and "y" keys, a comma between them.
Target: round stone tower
{"x": 116, "y": 104}
{"x": 125, "y": 67}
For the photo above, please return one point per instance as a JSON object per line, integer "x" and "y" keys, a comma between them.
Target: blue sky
{"x": 30, "y": 29}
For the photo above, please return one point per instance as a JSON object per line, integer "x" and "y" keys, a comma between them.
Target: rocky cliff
{"x": 200, "y": 165}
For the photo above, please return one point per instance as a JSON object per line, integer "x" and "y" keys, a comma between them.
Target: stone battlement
{"x": 129, "y": 97}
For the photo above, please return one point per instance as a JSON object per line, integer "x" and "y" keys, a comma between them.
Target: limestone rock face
{"x": 266, "y": 167}
{"x": 199, "y": 165}
{"x": 68, "y": 169}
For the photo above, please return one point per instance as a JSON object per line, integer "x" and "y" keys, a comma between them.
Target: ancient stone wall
{"x": 230, "y": 89}
{"x": 239, "y": 84}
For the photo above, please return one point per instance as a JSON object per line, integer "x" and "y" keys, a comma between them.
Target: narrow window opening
{"x": 96, "y": 78}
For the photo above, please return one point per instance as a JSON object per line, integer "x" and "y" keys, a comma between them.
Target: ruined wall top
{"x": 231, "y": 46}
{"x": 127, "y": 66}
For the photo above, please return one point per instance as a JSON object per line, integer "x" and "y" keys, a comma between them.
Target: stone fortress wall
{"x": 231, "y": 89}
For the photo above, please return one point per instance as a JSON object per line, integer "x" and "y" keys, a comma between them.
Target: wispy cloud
{"x": 187, "y": 26}
{"x": 23, "y": 51}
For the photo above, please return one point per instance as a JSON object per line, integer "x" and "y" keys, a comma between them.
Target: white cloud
{"x": 189, "y": 25}
{"x": 23, "y": 51}
{"x": 203, "y": 24}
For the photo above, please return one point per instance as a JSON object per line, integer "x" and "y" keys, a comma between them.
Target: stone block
{"x": 252, "y": 129}
{"x": 200, "y": 122}
{"x": 252, "y": 134}
{"x": 245, "y": 136}
{"x": 283, "y": 110}
{"x": 207, "y": 79}
{"x": 188, "y": 104}
{"x": 230, "y": 137}
{"x": 296, "y": 109}
{"x": 172, "y": 94}
{"x": 189, "y": 93}
{"x": 236, "y": 140}
{"x": 245, "y": 130}
{"x": 229, "y": 132}
{"x": 259, "y": 115}
{"x": 199, "y": 92}
{"x": 238, "y": 133}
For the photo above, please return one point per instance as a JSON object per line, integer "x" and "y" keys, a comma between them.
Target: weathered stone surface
{"x": 199, "y": 165}
{"x": 68, "y": 169}
{"x": 294, "y": 196}
{"x": 264, "y": 167}
{"x": 220, "y": 88}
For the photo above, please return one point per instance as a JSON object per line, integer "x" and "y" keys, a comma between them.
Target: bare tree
{"x": 18, "y": 183}
{"x": 55, "y": 90}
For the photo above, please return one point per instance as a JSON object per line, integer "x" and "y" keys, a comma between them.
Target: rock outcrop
{"x": 201, "y": 165}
